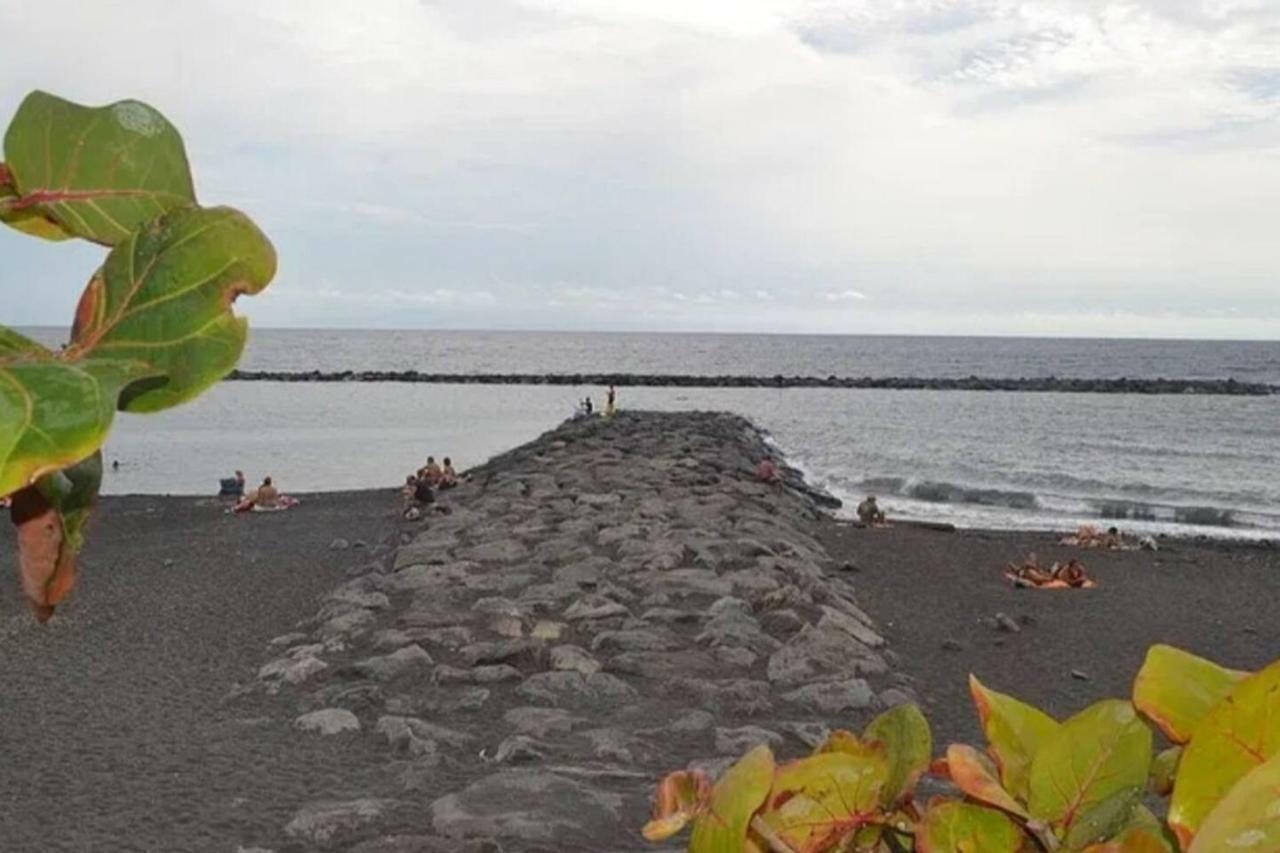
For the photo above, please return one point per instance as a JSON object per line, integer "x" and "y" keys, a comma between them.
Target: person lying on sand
{"x": 1069, "y": 575}
{"x": 869, "y": 511}
{"x": 265, "y": 498}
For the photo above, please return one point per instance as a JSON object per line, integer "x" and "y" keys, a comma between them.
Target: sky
{"x": 1076, "y": 168}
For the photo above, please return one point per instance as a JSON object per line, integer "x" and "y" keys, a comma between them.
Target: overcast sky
{"x": 903, "y": 166}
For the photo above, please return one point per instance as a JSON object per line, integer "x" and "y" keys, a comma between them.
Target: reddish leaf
{"x": 972, "y": 772}
{"x": 680, "y": 798}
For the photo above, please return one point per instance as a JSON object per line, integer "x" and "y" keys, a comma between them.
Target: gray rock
{"x": 638, "y": 640}
{"x": 399, "y": 662}
{"x": 464, "y": 699}
{"x": 740, "y": 740}
{"x": 288, "y": 639}
{"x": 351, "y": 623}
{"x": 894, "y": 696}
{"x": 599, "y": 501}
{"x": 610, "y": 745}
{"x": 362, "y": 598}
{"x": 496, "y": 551}
{"x": 425, "y": 844}
{"x": 445, "y": 674}
{"x": 832, "y": 618}
{"x": 288, "y": 670}
{"x": 324, "y": 822}
{"x": 328, "y": 721}
{"x": 833, "y": 697}
{"x": 540, "y": 722}
{"x": 693, "y": 721}
{"x": 390, "y": 638}
{"x": 529, "y": 805}
{"x": 671, "y": 616}
{"x": 574, "y": 659}
{"x": 547, "y": 630}
{"x": 571, "y": 688}
{"x": 403, "y": 735}
{"x": 339, "y": 544}
{"x": 523, "y": 652}
{"x": 822, "y": 654}
{"x": 594, "y": 607}
{"x": 519, "y": 749}
{"x": 812, "y": 735}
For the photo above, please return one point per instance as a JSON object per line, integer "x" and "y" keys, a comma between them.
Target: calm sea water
{"x": 1184, "y": 463}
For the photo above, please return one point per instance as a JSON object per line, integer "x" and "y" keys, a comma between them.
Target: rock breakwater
{"x": 614, "y": 600}
{"x": 1043, "y": 384}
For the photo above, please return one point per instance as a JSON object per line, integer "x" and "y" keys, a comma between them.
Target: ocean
{"x": 1185, "y": 464}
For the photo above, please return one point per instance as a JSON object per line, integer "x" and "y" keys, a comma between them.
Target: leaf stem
{"x": 776, "y": 844}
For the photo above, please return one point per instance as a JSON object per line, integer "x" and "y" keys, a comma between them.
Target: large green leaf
{"x": 1175, "y": 689}
{"x": 908, "y": 747}
{"x": 52, "y": 413}
{"x": 1014, "y": 732}
{"x": 950, "y": 826}
{"x": 164, "y": 298}
{"x": 722, "y": 826}
{"x": 50, "y": 517}
{"x": 818, "y": 801}
{"x": 1248, "y": 817}
{"x": 1240, "y": 733}
{"x": 94, "y": 172}
{"x": 1087, "y": 777}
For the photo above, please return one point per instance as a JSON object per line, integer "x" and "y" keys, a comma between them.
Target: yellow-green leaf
{"x": 1164, "y": 769}
{"x": 908, "y": 746}
{"x": 737, "y": 795}
{"x": 973, "y": 773}
{"x": 1175, "y": 689}
{"x": 1248, "y": 817}
{"x": 93, "y": 172}
{"x": 164, "y": 298}
{"x": 825, "y": 798}
{"x": 1014, "y": 732}
{"x": 54, "y": 414}
{"x": 1240, "y": 733}
{"x": 1087, "y": 777}
{"x": 950, "y": 826}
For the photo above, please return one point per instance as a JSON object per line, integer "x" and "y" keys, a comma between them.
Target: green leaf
{"x": 27, "y": 220}
{"x": 50, "y": 517}
{"x": 908, "y": 746}
{"x": 973, "y": 773}
{"x": 53, "y": 414}
{"x": 1175, "y": 689}
{"x": 93, "y": 172}
{"x": 14, "y": 346}
{"x": 950, "y": 826}
{"x": 1248, "y": 817}
{"x": 164, "y": 298}
{"x": 722, "y": 827}
{"x": 1088, "y": 776}
{"x": 1240, "y": 733}
{"x": 1014, "y": 732}
{"x": 825, "y": 798}
{"x": 1164, "y": 769}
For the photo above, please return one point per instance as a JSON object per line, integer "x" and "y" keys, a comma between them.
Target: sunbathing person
{"x": 265, "y": 498}
{"x": 869, "y": 511}
{"x": 431, "y": 472}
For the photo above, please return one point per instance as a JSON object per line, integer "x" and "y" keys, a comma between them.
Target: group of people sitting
{"x": 420, "y": 488}
{"x": 265, "y": 498}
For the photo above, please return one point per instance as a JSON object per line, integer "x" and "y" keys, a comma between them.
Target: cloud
{"x": 976, "y": 165}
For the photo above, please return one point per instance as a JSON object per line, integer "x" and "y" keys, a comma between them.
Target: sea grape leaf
{"x": 93, "y": 172}
{"x": 1175, "y": 689}
{"x": 1248, "y": 817}
{"x": 50, "y": 518}
{"x": 680, "y": 798}
{"x": 1238, "y": 734}
{"x": 1014, "y": 732}
{"x": 53, "y": 413}
{"x": 14, "y": 346}
{"x": 1164, "y": 769}
{"x": 722, "y": 826}
{"x": 951, "y": 826}
{"x": 28, "y": 220}
{"x": 1087, "y": 777}
{"x": 973, "y": 773}
{"x": 908, "y": 743}
{"x": 841, "y": 740}
{"x": 1144, "y": 833}
{"x": 818, "y": 801}
{"x": 164, "y": 298}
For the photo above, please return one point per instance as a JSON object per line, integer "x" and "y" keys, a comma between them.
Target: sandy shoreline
{"x": 606, "y": 602}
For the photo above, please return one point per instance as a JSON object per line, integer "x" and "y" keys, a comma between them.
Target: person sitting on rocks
{"x": 767, "y": 472}
{"x": 448, "y": 476}
{"x": 265, "y": 498}
{"x": 431, "y": 472}
{"x": 869, "y": 511}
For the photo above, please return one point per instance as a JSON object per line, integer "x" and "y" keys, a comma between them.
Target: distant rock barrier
{"x": 1229, "y": 387}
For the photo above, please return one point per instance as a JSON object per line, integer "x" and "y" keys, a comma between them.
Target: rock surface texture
{"x": 614, "y": 600}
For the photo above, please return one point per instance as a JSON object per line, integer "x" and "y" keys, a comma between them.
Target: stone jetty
{"x": 614, "y": 600}
{"x": 1072, "y": 385}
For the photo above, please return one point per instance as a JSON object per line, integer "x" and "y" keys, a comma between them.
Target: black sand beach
{"x": 611, "y": 601}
